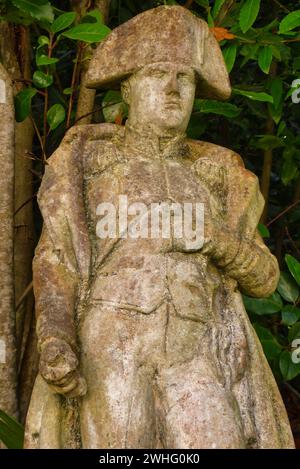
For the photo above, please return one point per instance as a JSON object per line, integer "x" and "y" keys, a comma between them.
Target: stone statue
{"x": 144, "y": 340}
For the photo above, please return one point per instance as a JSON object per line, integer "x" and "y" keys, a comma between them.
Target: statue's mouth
{"x": 173, "y": 104}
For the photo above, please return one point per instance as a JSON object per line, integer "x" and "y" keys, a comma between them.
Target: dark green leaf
{"x": 265, "y": 57}
{"x": 271, "y": 346}
{"x": 63, "y": 22}
{"x": 42, "y": 80}
{"x": 23, "y": 103}
{"x": 217, "y": 8}
{"x": 229, "y": 54}
{"x": 216, "y": 107}
{"x": 289, "y": 170}
{"x": 296, "y": 64}
{"x": 290, "y": 22}
{"x": 113, "y": 106}
{"x": 43, "y": 60}
{"x": 267, "y": 142}
{"x": 290, "y": 315}
{"x": 94, "y": 16}
{"x": 67, "y": 91}
{"x": 203, "y": 3}
{"x": 276, "y": 88}
{"x": 197, "y": 126}
{"x": 294, "y": 267}
{"x": 294, "y": 332}
{"x": 250, "y": 52}
{"x": 276, "y": 113}
{"x": 248, "y": 14}
{"x": 55, "y": 116}
{"x": 288, "y": 369}
{"x": 263, "y": 230}
{"x": 11, "y": 432}
{"x": 43, "y": 41}
{"x": 38, "y": 9}
{"x": 295, "y": 86}
{"x": 88, "y": 32}
{"x": 16, "y": 16}
{"x": 287, "y": 287}
{"x": 255, "y": 96}
{"x": 262, "y": 306}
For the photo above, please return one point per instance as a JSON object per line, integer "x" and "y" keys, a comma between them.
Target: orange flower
{"x": 222, "y": 33}
{"x": 119, "y": 119}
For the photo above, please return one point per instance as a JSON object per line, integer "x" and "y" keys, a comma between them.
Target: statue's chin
{"x": 172, "y": 124}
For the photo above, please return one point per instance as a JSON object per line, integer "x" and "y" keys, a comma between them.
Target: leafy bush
{"x": 11, "y": 432}
{"x": 277, "y": 323}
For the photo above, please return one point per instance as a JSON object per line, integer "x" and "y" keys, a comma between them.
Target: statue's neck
{"x": 152, "y": 143}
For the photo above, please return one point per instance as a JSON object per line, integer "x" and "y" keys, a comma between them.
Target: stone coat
{"x": 176, "y": 315}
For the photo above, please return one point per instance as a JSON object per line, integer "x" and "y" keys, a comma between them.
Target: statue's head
{"x": 161, "y": 96}
{"x": 161, "y": 59}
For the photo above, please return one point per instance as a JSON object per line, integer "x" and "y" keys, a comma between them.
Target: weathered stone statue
{"x": 144, "y": 340}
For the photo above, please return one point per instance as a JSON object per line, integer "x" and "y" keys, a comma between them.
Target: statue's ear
{"x": 126, "y": 91}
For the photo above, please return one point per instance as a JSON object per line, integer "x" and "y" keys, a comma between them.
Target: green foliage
{"x": 254, "y": 96}
{"x": 11, "y": 432}
{"x": 288, "y": 368}
{"x": 263, "y": 230}
{"x": 42, "y": 80}
{"x": 265, "y": 57}
{"x": 43, "y": 60}
{"x": 248, "y": 14}
{"x": 88, "y": 32}
{"x": 210, "y": 106}
{"x": 287, "y": 288}
{"x": 23, "y": 103}
{"x": 229, "y": 54}
{"x": 113, "y": 106}
{"x": 290, "y": 22}
{"x": 64, "y": 21}
{"x": 55, "y": 116}
{"x": 38, "y": 9}
{"x": 277, "y": 335}
{"x": 262, "y": 306}
{"x": 294, "y": 267}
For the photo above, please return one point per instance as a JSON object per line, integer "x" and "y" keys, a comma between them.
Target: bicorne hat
{"x": 162, "y": 34}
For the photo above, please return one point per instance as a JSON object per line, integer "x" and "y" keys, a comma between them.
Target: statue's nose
{"x": 172, "y": 84}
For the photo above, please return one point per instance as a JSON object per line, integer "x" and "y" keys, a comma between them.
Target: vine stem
{"x": 283, "y": 212}
{"x": 74, "y": 77}
{"x": 291, "y": 240}
{"x": 268, "y": 155}
{"x": 50, "y": 49}
{"x": 41, "y": 140}
{"x": 188, "y": 3}
{"x": 284, "y": 8}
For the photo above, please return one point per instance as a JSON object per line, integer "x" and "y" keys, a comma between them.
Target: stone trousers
{"x": 153, "y": 383}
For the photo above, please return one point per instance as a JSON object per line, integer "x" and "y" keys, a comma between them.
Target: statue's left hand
{"x": 59, "y": 368}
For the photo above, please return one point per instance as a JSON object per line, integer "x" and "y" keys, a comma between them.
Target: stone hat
{"x": 162, "y": 34}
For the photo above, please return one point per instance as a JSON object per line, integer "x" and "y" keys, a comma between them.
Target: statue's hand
{"x": 58, "y": 366}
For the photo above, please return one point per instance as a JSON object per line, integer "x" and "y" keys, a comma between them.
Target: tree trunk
{"x": 86, "y": 98}
{"x": 8, "y": 368}
{"x": 17, "y": 62}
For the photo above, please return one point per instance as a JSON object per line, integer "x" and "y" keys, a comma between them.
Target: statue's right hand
{"x": 59, "y": 368}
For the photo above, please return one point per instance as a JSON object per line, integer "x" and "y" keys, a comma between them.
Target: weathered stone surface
{"x": 145, "y": 341}
{"x": 8, "y": 373}
{"x": 157, "y": 36}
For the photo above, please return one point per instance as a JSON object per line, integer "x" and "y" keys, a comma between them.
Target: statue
{"x": 144, "y": 340}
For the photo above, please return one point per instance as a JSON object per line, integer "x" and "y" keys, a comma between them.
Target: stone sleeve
{"x": 249, "y": 262}
{"x": 55, "y": 289}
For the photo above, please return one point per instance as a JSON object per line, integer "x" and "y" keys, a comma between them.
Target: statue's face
{"x": 161, "y": 96}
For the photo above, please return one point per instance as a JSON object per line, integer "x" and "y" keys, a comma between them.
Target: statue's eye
{"x": 184, "y": 77}
{"x": 158, "y": 73}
